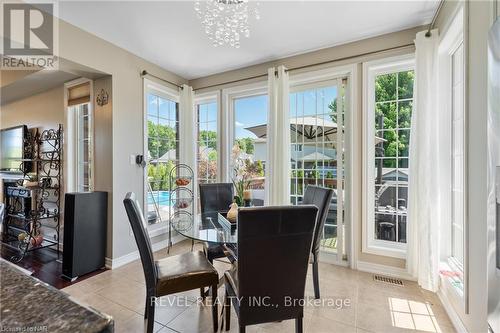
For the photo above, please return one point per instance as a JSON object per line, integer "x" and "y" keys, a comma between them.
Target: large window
{"x": 457, "y": 156}
{"x": 316, "y": 135}
{"x": 206, "y": 113}
{"x": 249, "y": 150}
{"x": 162, "y": 124}
{"x": 83, "y": 147}
{"x": 80, "y": 135}
{"x": 389, "y": 96}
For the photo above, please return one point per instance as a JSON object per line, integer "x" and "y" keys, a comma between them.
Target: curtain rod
{"x": 310, "y": 65}
{"x": 434, "y": 18}
{"x": 144, "y": 73}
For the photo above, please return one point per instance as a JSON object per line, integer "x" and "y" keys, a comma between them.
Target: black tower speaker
{"x": 85, "y": 225}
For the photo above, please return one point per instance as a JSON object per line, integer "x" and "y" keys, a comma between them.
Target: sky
{"x": 248, "y": 112}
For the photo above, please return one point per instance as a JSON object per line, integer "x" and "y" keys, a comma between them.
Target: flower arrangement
{"x": 241, "y": 177}
{"x": 245, "y": 170}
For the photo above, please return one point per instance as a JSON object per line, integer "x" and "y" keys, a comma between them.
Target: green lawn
{"x": 330, "y": 242}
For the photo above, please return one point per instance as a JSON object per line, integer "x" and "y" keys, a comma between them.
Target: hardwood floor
{"x": 45, "y": 266}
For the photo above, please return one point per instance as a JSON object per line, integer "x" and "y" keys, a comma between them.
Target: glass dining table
{"x": 211, "y": 227}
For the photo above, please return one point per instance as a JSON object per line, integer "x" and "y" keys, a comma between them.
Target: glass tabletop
{"x": 210, "y": 227}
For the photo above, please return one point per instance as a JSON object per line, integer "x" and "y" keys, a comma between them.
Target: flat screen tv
{"x": 12, "y": 148}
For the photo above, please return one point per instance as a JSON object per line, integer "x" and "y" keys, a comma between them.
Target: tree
{"x": 246, "y": 145}
{"x": 159, "y": 174}
{"x": 207, "y": 169}
{"x": 161, "y": 139}
{"x": 208, "y": 139}
{"x": 393, "y": 94}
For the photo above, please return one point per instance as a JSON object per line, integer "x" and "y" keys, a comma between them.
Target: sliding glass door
{"x": 317, "y": 116}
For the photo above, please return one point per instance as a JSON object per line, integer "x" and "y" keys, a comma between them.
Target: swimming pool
{"x": 162, "y": 198}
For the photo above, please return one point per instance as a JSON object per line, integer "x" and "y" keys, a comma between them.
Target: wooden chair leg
{"x": 202, "y": 293}
{"x": 215, "y": 308}
{"x": 149, "y": 315}
{"x": 316, "y": 278}
{"x": 227, "y": 311}
{"x": 298, "y": 325}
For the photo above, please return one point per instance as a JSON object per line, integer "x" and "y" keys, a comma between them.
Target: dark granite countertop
{"x": 30, "y": 305}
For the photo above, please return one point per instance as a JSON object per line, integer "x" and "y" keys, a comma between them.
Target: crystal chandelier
{"x": 225, "y": 21}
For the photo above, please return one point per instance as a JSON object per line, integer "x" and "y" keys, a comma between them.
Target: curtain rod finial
{"x": 428, "y": 34}
{"x": 144, "y": 72}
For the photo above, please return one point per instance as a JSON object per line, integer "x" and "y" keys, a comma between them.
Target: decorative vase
{"x": 247, "y": 198}
{"x": 232, "y": 214}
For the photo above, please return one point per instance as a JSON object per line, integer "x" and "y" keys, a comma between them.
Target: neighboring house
{"x": 170, "y": 155}
{"x": 393, "y": 174}
{"x": 308, "y": 154}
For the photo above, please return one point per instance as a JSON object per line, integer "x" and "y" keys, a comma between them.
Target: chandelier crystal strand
{"x": 225, "y": 21}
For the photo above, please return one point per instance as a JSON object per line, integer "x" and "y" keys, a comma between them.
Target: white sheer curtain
{"x": 278, "y": 138}
{"x": 187, "y": 128}
{"x": 424, "y": 183}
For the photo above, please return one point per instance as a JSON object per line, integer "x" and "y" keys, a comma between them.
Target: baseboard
{"x": 454, "y": 317}
{"x": 128, "y": 258}
{"x": 331, "y": 258}
{"x": 394, "y": 272}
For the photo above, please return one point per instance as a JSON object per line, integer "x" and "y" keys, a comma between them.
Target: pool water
{"x": 162, "y": 198}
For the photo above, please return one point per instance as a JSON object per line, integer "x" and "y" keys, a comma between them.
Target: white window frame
{"x": 371, "y": 70}
{"x": 71, "y": 142}
{"x": 150, "y": 86}
{"x": 210, "y": 97}
{"x": 452, "y": 37}
{"x": 452, "y": 258}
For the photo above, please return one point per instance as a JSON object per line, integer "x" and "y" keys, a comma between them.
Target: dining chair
{"x": 215, "y": 197}
{"x": 170, "y": 275}
{"x": 269, "y": 280}
{"x": 321, "y": 198}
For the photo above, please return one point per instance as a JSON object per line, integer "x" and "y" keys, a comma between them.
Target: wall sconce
{"x": 102, "y": 98}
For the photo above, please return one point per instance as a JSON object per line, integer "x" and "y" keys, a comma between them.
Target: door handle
{"x": 139, "y": 160}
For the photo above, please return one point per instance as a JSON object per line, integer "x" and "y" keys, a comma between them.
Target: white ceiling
{"x": 169, "y": 34}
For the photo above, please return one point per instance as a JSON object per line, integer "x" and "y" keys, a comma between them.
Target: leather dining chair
{"x": 273, "y": 251}
{"x": 215, "y": 197}
{"x": 321, "y": 198}
{"x": 170, "y": 275}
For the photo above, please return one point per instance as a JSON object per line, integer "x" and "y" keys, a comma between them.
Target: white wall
{"x": 479, "y": 21}
{"x": 43, "y": 111}
{"x": 103, "y": 148}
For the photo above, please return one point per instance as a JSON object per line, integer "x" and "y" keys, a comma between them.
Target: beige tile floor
{"x": 368, "y": 306}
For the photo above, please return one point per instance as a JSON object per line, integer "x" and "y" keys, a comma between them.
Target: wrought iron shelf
{"x": 45, "y": 151}
{"x": 30, "y": 218}
{"x": 16, "y": 244}
{"x": 182, "y": 200}
{"x": 54, "y": 160}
